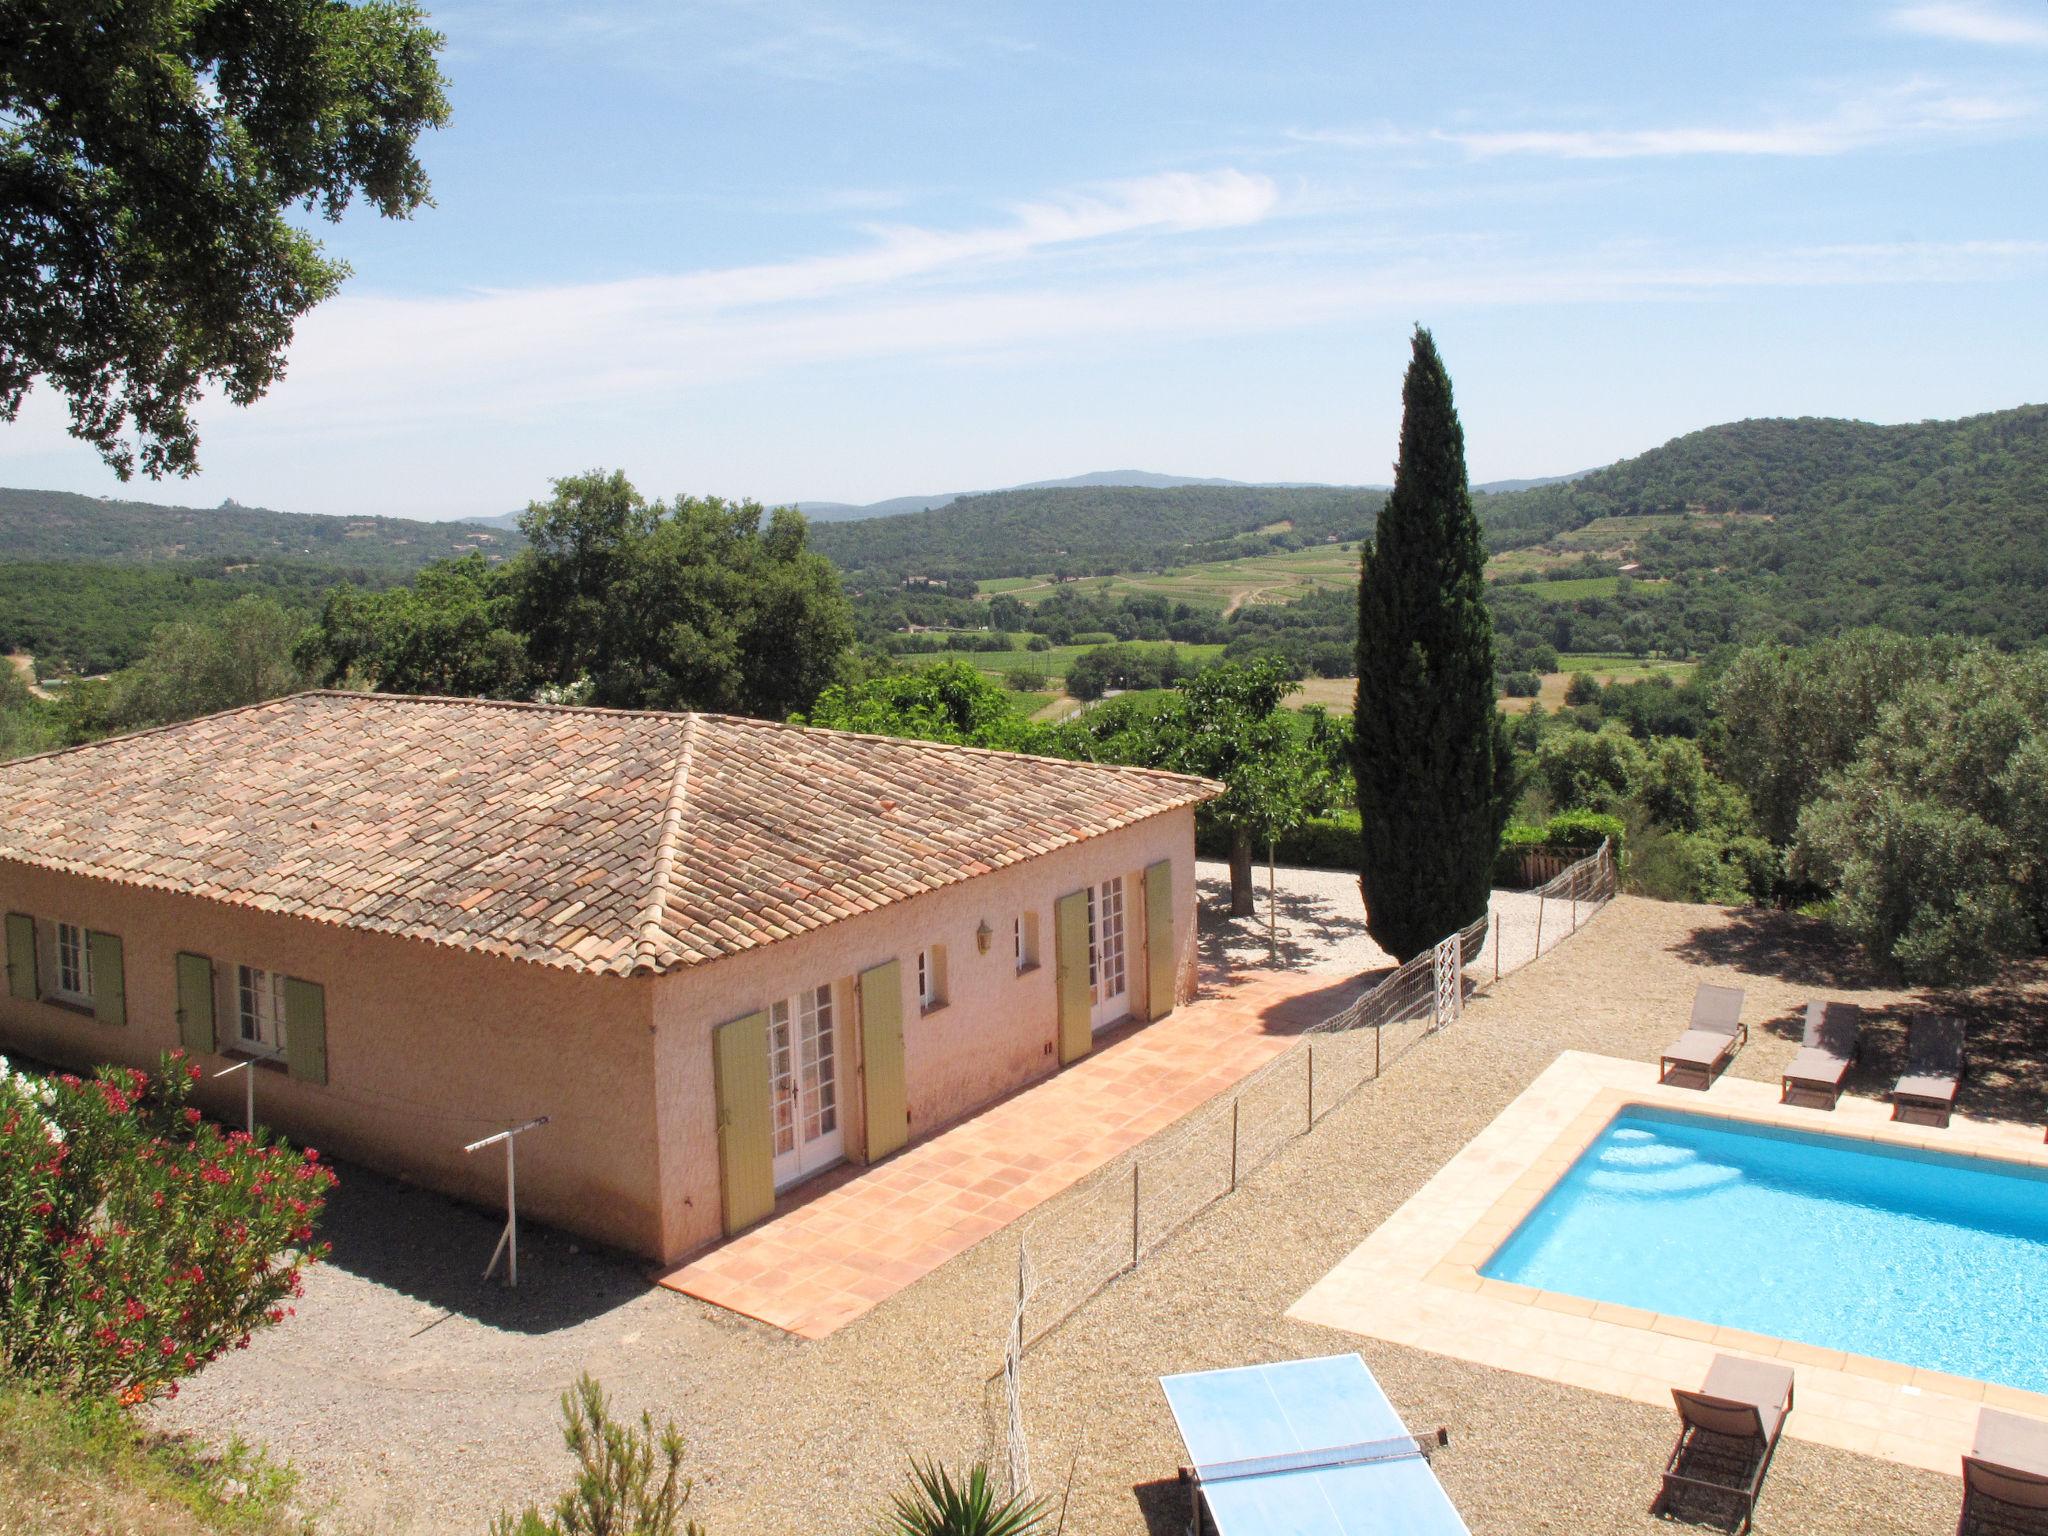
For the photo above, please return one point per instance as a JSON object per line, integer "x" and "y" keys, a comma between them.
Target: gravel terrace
{"x": 415, "y": 1399}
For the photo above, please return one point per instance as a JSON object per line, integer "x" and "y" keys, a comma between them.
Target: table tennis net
{"x": 1398, "y": 1448}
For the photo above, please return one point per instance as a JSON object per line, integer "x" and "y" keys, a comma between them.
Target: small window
{"x": 260, "y": 1010}
{"x": 74, "y": 963}
{"x": 1024, "y": 939}
{"x": 931, "y": 978}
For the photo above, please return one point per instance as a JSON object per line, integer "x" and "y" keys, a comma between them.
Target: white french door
{"x": 803, "y": 1069}
{"x": 1108, "y": 978}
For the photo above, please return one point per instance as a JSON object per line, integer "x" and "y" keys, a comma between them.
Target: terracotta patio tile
{"x": 829, "y": 1261}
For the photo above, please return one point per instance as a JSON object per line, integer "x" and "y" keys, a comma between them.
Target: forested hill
{"x": 1800, "y": 468}
{"x": 1807, "y": 527}
{"x": 58, "y": 525}
{"x": 1091, "y": 530}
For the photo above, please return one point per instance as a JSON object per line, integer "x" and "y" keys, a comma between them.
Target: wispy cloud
{"x": 1964, "y": 21}
{"x": 806, "y": 41}
{"x": 368, "y": 366}
{"x": 1905, "y": 114}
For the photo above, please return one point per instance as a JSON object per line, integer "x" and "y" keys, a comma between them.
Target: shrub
{"x": 1323, "y": 842}
{"x": 1584, "y": 688}
{"x": 1521, "y": 685}
{"x": 1094, "y": 637}
{"x": 1583, "y": 829}
{"x": 937, "y": 1506}
{"x": 616, "y": 1491}
{"x": 137, "y": 1239}
{"x": 1027, "y": 680}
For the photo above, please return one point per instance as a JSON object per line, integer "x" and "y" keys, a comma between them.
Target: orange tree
{"x": 138, "y": 1240}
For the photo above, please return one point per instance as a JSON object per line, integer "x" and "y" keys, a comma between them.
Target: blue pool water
{"x": 1920, "y": 1257}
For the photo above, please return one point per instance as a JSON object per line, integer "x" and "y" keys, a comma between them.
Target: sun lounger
{"x": 1728, "y": 1431}
{"x": 1833, "y": 1039}
{"x": 1697, "y": 1057}
{"x": 2005, "y": 1476}
{"x": 1926, "y": 1095}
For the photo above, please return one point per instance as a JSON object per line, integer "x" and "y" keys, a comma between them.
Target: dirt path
{"x": 25, "y": 664}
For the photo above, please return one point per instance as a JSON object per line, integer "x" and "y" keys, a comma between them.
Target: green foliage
{"x": 628, "y": 1478}
{"x": 1521, "y": 685}
{"x": 1935, "y": 838}
{"x": 152, "y": 155}
{"x": 935, "y": 1505}
{"x": 242, "y": 654}
{"x": 108, "y": 1472}
{"x": 949, "y": 701}
{"x": 1094, "y": 673}
{"x": 1786, "y": 719}
{"x": 1075, "y": 531}
{"x": 694, "y": 604}
{"x": 449, "y": 632}
{"x": 1025, "y": 680}
{"x": 1432, "y": 760}
{"x": 27, "y": 724}
{"x": 83, "y": 619}
{"x": 1321, "y": 842}
{"x": 53, "y": 526}
{"x": 137, "y": 1240}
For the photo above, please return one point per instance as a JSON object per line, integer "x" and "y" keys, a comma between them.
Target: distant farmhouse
{"x": 720, "y": 954}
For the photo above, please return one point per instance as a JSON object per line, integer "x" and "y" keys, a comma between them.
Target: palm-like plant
{"x": 935, "y": 1505}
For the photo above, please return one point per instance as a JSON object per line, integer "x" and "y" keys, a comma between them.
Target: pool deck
{"x": 1415, "y": 1280}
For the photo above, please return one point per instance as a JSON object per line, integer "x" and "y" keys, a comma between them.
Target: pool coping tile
{"x": 1416, "y": 1279}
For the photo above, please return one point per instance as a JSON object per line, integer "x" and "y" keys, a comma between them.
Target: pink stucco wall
{"x": 430, "y": 1047}
{"x": 995, "y": 1033}
{"x": 427, "y": 1048}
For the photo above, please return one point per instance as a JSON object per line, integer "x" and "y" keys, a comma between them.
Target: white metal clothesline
{"x": 244, "y": 1067}
{"x": 508, "y": 1240}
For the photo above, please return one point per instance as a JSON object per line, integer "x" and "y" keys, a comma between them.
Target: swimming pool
{"x": 1925, "y": 1258}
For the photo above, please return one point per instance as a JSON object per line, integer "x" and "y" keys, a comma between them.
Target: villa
{"x": 720, "y": 955}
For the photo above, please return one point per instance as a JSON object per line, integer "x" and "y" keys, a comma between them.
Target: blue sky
{"x": 835, "y": 250}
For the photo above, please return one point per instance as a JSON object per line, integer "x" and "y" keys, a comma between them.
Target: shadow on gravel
{"x": 1219, "y": 933}
{"x": 1164, "y": 1506}
{"x": 434, "y": 1249}
{"x": 2007, "y": 1022}
{"x": 1801, "y": 950}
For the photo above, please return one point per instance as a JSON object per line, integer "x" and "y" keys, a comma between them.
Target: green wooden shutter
{"x": 21, "y": 957}
{"x": 881, "y": 1044}
{"x": 109, "y": 980}
{"x": 1070, "y": 957}
{"x": 746, "y": 1132}
{"x": 1159, "y": 955}
{"x": 305, "y": 1029}
{"x": 195, "y": 1004}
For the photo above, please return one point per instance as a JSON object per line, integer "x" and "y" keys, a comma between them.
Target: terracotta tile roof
{"x": 595, "y": 840}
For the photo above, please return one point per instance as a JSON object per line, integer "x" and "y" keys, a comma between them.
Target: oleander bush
{"x": 139, "y": 1240}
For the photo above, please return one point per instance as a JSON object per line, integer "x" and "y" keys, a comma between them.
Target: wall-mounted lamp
{"x": 982, "y": 935}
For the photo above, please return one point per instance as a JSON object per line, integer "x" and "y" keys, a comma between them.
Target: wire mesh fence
{"x": 1070, "y": 1249}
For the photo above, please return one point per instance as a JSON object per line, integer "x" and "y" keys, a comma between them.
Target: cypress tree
{"x": 1432, "y": 757}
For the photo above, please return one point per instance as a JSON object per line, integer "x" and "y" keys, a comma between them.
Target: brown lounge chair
{"x": 1728, "y": 1431}
{"x": 2005, "y": 1476}
{"x": 1926, "y": 1095}
{"x": 1697, "y": 1057}
{"x": 1833, "y": 1040}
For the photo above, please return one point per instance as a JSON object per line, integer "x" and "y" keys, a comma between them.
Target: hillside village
{"x": 1375, "y": 1001}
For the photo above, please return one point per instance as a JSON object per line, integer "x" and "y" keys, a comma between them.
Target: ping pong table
{"x": 1305, "y": 1448}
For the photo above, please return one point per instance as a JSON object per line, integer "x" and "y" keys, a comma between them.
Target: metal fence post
{"x": 1311, "y": 1085}
{"x": 1233, "y": 1146}
{"x": 1378, "y": 1030}
{"x": 1539, "y": 922}
{"x": 1134, "y": 1215}
{"x": 1496, "y": 946}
